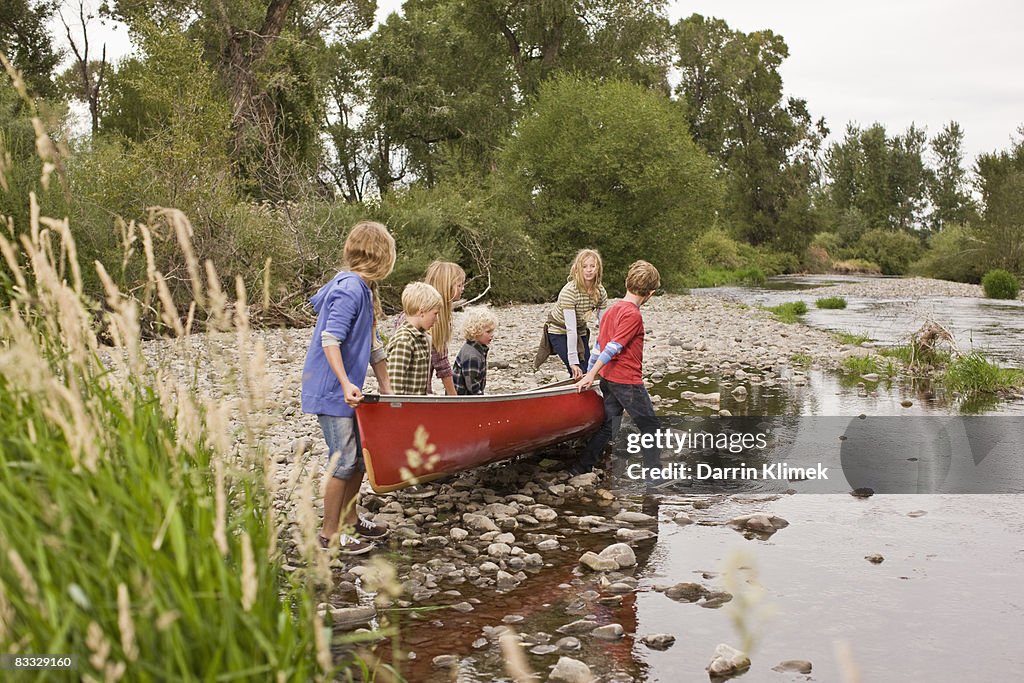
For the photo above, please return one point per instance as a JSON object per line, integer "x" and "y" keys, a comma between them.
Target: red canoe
{"x": 414, "y": 439}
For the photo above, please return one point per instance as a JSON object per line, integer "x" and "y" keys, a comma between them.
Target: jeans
{"x": 344, "y": 451}
{"x": 560, "y": 345}
{"x": 619, "y": 398}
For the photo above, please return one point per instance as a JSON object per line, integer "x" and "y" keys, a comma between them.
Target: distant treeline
{"x": 502, "y": 135}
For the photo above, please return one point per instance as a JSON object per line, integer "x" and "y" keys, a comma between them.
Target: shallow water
{"x": 993, "y": 327}
{"x": 944, "y": 604}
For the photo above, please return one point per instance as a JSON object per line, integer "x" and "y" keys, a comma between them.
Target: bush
{"x": 834, "y": 302}
{"x": 892, "y": 251}
{"x": 955, "y": 254}
{"x": 717, "y": 277}
{"x": 715, "y": 249}
{"x": 1000, "y": 284}
{"x": 610, "y": 165}
{"x": 856, "y": 265}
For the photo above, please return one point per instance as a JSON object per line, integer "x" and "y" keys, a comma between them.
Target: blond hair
{"x": 576, "y": 274}
{"x": 478, "y": 320}
{"x": 642, "y": 278}
{"x": 445, "y": 277}
{"x": 419, "y": 297}
{"x": 370, "y": 253}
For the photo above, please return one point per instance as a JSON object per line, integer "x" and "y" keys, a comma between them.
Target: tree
{"x": 609, "y": 165}
{"x": 732, "y": 95}
{"x": 947, "y": 190}
{"x": 1001, "y": 183}
{"x": 88, "y": 74}
{"x": 25, "y": 39}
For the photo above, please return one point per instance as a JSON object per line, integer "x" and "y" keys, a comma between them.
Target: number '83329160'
{"x": 39, "y": 662}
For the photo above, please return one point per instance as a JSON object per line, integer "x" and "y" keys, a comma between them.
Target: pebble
{"x": 874, "y": 558}
{"x": 609, "y": 632}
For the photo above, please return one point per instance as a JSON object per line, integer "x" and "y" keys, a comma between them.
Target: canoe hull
{"x": 408, "y": 440}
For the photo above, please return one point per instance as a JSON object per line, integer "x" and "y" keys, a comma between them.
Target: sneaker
{"x": 365, "y": 527}
{"x": 348, "y": 545}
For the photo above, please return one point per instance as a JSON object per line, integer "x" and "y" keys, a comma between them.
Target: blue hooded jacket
{"x": 344, "y": 308}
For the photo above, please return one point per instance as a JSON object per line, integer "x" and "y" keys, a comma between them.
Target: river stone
{"x": 659, "y": 641}
{"x": 595, "y": 562}
{"x": 716, "y": 600}
{"x": 349, "y": 616}
{"x": 759, "y": 523}
{"x": 906, "y": 403}
{"x": 568, "y": 643}
{"x": 500, "y": 510}
{"x": 458, "y": 534}
{"x": 581, "y": 480}
{"x": 569, "y": 670}
{"x": 528, "y": 519}
{"x": 620, "y": 553}
{"x": 578, "y": 627}
{"x": 548, "y": 544}
{"x": 874, "y": 558}
{"x": 545, "y": 514}
{"x": 727, "y": 661}
{"x": 543, "y": 649}
{"x": 462, "y": 607}
{"x": 446, "y": 661}
{"x": 533, "y": 560}
{"x": 488, "y": 567}
{"x": 800, "y": 666}
{"x": 916, "y": 513}
{"x": 505, "y": 538}
{"x": 632, "y": 517}
{"x": 682, "y": 519}
{"x": 479, "y": 522}
{"x": 609, "y": 632}
{"x": 480, "y": 643}
{"x": 619, "y": 588}
{"x": 635, "y": 535}
{"x": 687, "y": 592}
{"x": 506, "y": 581}
{"x": 499, "y": 550}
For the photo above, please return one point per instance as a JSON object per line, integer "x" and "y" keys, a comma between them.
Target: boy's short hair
{"x": 477, "y": 321}
{"x": 419, "y": 297}
{"x": 642, "y": 278}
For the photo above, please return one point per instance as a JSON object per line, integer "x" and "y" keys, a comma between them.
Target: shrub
{"x": 717, "y": 277}
{"x": 834, "y": 302}
{"x": 955, "y": 254}
{"x": 892, "y": 251}
{"x": 715, "y": 249}
{"x": 856, "y": 265}
{"x": 1000, "y": 284}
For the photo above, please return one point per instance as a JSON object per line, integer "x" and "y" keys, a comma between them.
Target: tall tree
{"x": 27, "y": 42}
{"x": 732, "y": 92}
{"x": 1001, "y": 183}
{"x": 948, "y": 191}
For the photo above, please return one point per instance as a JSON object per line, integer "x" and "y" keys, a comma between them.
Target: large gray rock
{"x": 620, "y": 553}
{"x": 631, "y": 517}
{"x": 800, "y": 666}
{"x": 481, "y": 523}
{"x": 569, "y": 670}
{"x": 596, "y": 563}
{"x": 609, "y": 632}
{"x": 727, "y": 661}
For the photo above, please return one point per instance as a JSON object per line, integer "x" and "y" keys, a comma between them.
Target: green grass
{"x": 800, "y": 358}
{"x": 789, "y": 312}
{"x": 864, "y": 365}
{"x": 832, "y": 302}
{"x": 974, "y": 374}
{"x": 851, "y": 338}
{"x": 912, "y": 355}
{"x": 718, "y": 277}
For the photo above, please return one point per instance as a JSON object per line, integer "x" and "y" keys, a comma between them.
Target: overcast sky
{"x": 893, "y": 61}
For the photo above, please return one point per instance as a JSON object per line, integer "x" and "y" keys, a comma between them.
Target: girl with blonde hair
{"x": 582, "y": 299}
{"x": 342, "y": 347}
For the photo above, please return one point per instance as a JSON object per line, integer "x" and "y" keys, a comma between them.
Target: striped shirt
{"x": 571, "y": 298}
{"x": 409, "y": 360}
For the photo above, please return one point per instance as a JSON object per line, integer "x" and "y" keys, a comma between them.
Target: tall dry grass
{"x": 139, "y": 531}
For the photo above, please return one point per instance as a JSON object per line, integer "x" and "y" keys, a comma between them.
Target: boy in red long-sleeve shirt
{"x": 618, "y": 357}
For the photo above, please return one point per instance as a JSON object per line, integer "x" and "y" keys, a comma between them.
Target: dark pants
{"x": 560, "y": 345}
{"x": 619, "y": 398}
